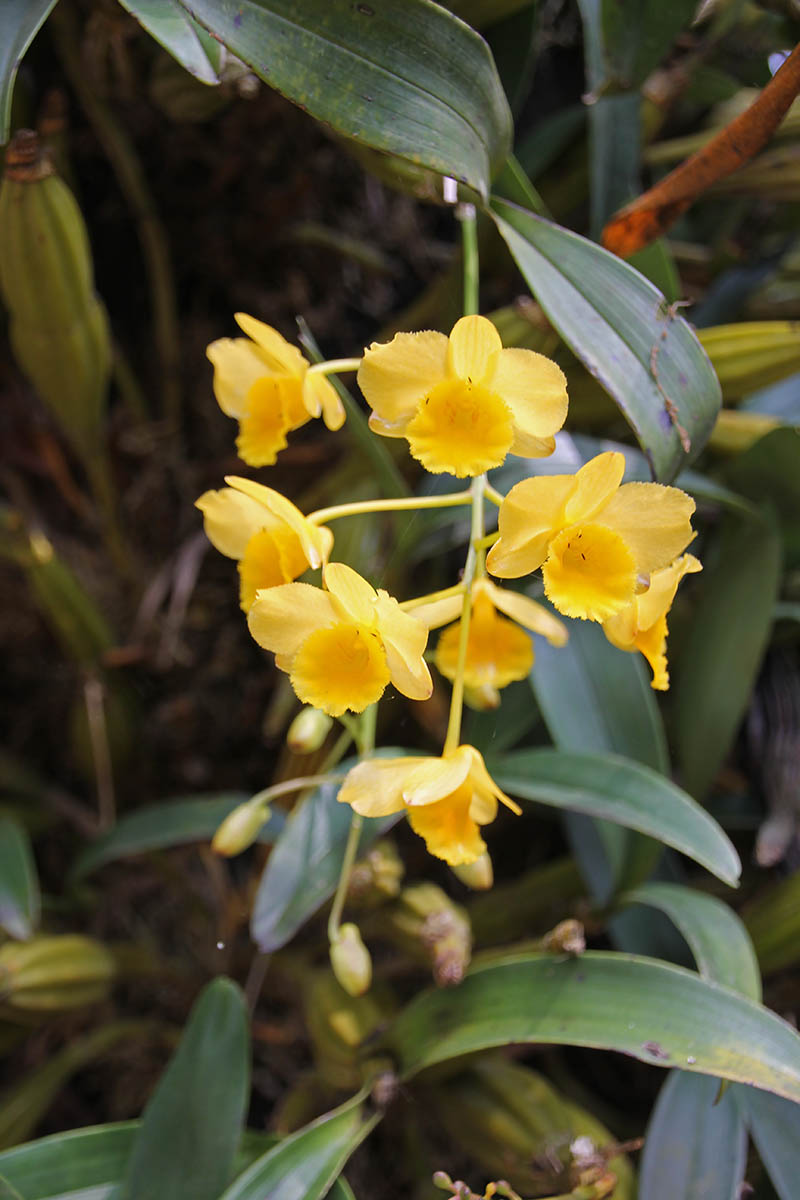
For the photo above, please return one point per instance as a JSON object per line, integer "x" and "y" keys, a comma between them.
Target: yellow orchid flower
{"x": 446, "y": 799}
{"x": 498, "y": 650}
{"x": 269, "y": 387}
{"x": 643, "y": 624}
{"x": 593, "y": 538}
{"x": 271, "y": 539}
{"x": 342, "y": 646}
{"x": 463, "y": 402}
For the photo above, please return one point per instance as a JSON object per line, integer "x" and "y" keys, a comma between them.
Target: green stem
{"x": 457, "y": 699}
{"x": 373, "y": 448}
{"x": 335, "y": 366}
{"x": 469, "y": 241}
{"x": 432, "y": 597}
{"x": 399, "y": 504}
{"x": 131, "y": 179}
{"x": 366, "y": 744}
{"x": 492, "y": 494}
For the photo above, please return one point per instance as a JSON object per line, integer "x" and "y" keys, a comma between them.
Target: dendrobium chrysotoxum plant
{"x": 608, "y": 551}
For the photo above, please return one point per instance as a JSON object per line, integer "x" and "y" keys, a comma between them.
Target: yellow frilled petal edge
{"x": 590, "y": 572}
{"x": 654, "y": 520}
{"x": 395, "y": 376}
{"x": 284, "y": 617}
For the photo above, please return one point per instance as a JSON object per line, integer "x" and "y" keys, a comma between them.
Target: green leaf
{"x": 20, "y": 21}
{"x": 191, "y": 1126}
{"x": 721, "y": 654}
{"x": 160, "y": 826}
{"x": 717, "y": 938}
{"x": 695, "y": 1148}
{"x": 627, "y": 39}
{"x": 304, "y": 1165}
{"x": 409, "y": 79}
{"x": 7, "y": 1192}
{"x": 773, "y": 1124}
{"x": 770, "y": 472}
{"x": 87, "y": 1164}
{"x": 607, "y": 786}
{"x": 174, "y": 29}
{"x": 20, "y": 901}
{"x": 304, "y": 867}
{"x": 595, "y": 697}
{"x": 660, "y": 1014}
{"x": 773, "y": 922}
{"x": 615, "y": 136}
{"x": 614, "y": 320}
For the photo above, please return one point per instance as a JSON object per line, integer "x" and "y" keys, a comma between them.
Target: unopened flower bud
{"x": 429, "y": 923}
{"x": 568, "y": 937}
{"x": 308, "y": 731}
{"x": 483, "y": 698}
{"x": 477, "y": 875}
{"x": 351, "y": 961}
{"x": 50, "y": 973}
{"x": 377, "y": 877}
{"x": 240, "y": 828}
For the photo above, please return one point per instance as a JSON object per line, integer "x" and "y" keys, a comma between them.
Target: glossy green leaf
{"x": 304, "y": 867}
{"x": 304, "y": 1165}
{"x": 20, "y": 21}
{"x": 88, "y": 1164}
{"x": 409, "y": 79}
{"x": 714, "y": 675}
{"x": 695, "y": 1145}
{"x": 614, "y": 155}
{"x": 773, "y": 1123}
{"x": 7, "y": 1192}
{"x": 614, "y": 320}
{"x": 717, "y": 938}
{"x": 769, "y": 472}
{"x": 660, "y": 1014}
{"x": 183, "y": 38}
{"x": 616, "y": 789}
{"x": 160, "y": 826}
{"x": 20, "y": 901}
{"x": 595, "y": 697}
{"x": 191, "y": 1126}
{"x": 773, "y": 922}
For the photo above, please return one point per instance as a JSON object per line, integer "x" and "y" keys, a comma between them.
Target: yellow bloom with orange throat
{"x": 499, "y": 651}
{"x": 266, "y": 384}
{"x": 341, "y": 646}
{"x": 463, "y": 402}
{"x": 271, "y": 540}
{"x": 642, "y": 625}
{"x": 446, "y": 799}
{"x": 595, "y": 538}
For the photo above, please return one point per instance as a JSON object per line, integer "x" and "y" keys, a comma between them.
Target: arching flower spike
{"x": 446, "y": 799}
{"x": 343, "y": 645}
{"x": 463, "y": 402}
{"x": 265, "y": 383}
{"x": 271, "y": 539}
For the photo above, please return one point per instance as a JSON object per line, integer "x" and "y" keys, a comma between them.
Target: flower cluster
{"x": 609, "y": 551}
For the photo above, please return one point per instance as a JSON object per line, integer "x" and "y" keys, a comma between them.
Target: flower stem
{"x": 336, "y": 366}
{"x": 492, "y": 494}
{"x": 476, "y": 534}
{"x": 469, "y": 242}
{"x": 450, "y": 500}
{"x": 432, "y": 597}
{"x": 366, "y": 744}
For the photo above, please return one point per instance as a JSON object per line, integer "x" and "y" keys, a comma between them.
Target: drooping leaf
{"x": 88, "y": 1164}
{"x": 773, "y": 1123}
{"x": 616, "y": 789}
{"x": 719, "y": 660}
{"x": 717, "y": 938}
{"x": 20, "y": 21}
{"x": 304, "y": 1165}
{"x": 192, "y": 1124}
{"x": 658, "y": 1013}
{"x": 621, "y": 328}
{"x": 160, "y": 826}
{"x": 304, "y": 867}
{"x": 409, "y": 79}
{"x": 182, "y": 37}
{"x": 20, "y": 901}
{"x": 695, "y": 1148}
